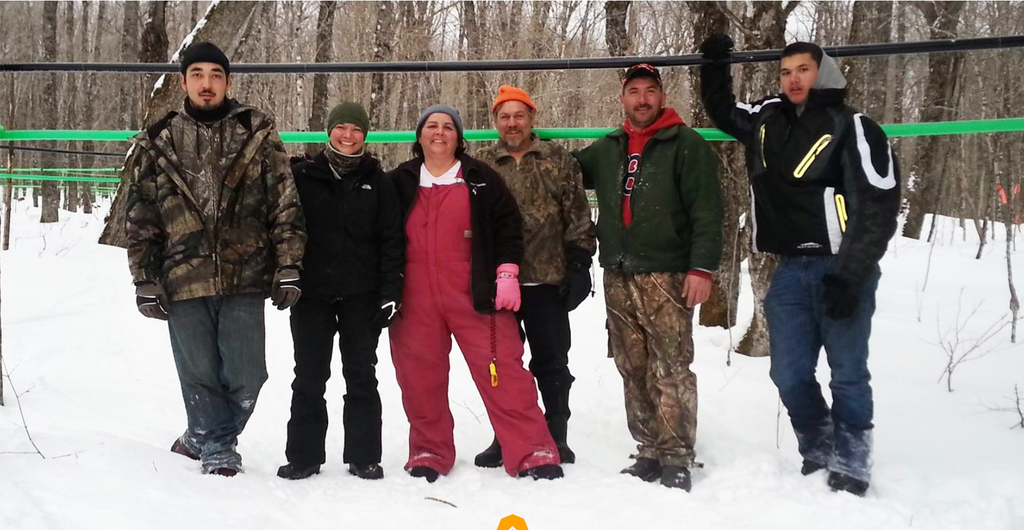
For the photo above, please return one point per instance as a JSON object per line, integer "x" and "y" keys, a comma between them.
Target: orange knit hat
{"x": 511, "y": 93}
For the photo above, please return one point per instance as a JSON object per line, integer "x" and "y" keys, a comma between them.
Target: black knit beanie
{"x": 204, "y": 52}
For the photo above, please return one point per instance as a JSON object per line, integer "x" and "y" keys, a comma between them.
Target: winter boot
{"x": 366, "y": 471}
{"x": 546, "y": 472}
{"x": 675, "y": 477}
{"x": 224, "y": 472}
{"x": 298, "y": 471}
{"x": 428, "y": 473}
{"x": 490, "y": 457}
{"x": 646, "y": 469}
{"x": 841, "y": 482}
{"x": 179, "y": 447}
{"x": 558, "y": 427}
{"x": 810, "y": 467}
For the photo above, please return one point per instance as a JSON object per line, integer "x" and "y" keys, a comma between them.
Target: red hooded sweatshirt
{"x": 637, "y": 140}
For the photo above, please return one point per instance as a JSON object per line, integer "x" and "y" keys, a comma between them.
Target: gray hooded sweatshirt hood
{"x": 829, "y": 75}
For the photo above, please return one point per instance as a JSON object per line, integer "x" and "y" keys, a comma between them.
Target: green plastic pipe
{"x": 17, "y": 176}
{"x": 64, "y": 169}
{"x": 897, "y": 130}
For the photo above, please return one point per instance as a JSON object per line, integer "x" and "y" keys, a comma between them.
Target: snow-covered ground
{"x": 99, "y": 395}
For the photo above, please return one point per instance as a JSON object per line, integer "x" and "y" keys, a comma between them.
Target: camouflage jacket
{"x": 548, "y": 186}
{"x": 211, "y": 209}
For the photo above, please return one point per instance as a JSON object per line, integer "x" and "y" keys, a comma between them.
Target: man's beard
{"x": 515, "y": 143}
{"x": 200, "y": 104}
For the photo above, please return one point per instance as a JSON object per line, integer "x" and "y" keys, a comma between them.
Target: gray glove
{"x": 286, "y": 289}
{"x": 151, "y": 299}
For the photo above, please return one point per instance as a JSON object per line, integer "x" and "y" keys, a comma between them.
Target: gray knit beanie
{"x": 443, "y": 109}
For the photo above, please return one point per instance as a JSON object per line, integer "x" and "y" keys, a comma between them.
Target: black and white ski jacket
{"x": 823, "y": 181}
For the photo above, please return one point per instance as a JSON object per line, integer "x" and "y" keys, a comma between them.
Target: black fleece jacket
{"x": 495, "y": 221}
{"x": 356, "y": 244}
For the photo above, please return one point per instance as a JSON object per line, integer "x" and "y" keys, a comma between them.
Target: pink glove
{"x": 507, "y": 296}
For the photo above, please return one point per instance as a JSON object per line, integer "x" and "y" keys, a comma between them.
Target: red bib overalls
{"x": 437, "y": 304}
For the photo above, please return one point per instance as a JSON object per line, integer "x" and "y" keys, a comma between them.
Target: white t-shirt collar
{"x": 450, "y": 177}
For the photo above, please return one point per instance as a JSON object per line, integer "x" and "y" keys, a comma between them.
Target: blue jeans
{"x": 839, "y": 438}
{"x": 220, "y": 353}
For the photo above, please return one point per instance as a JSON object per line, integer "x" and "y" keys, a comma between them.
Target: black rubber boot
{"x": 841, "y": 482}
{"x": 676, "y": 477}
{"x": 425, "y": 472}
{"x": 546, "y": 472}
{"x": 298, "y": 471}
{"x": 645, "y": 469}
{"x": 558, "y": 425}
{"x": 809, "y": 467}
{"x": 490, "y": 457}
{"x": 366, "y": 471}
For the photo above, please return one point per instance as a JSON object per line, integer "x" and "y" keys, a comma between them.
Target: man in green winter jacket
{"x": 660, "y": 234}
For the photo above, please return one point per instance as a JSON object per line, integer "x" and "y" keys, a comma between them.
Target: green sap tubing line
{"x": 66, "y": 169}
{"x": 895, "y": 130}
{"x": 16, "y": 176}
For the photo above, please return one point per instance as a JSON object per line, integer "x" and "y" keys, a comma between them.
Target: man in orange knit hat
{"x": 560, "y": 243}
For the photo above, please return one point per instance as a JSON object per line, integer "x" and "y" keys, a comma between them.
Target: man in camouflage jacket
{"x": 214, "y": 226}
{"x": 560, "y": 242}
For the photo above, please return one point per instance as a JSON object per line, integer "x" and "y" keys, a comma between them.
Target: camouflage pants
{"x": 650, "y": 335}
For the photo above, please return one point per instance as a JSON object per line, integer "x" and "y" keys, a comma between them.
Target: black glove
{"x": 717, "y": 47}
{"x": 841, "y": 298}
{"x": 151, "y": 299}
{"x": 286, "y": 289}
{"x": 577, "y": 285}
{"x": 386, "y": 314}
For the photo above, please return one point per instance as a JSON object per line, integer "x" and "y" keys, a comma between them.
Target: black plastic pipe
{"x": 852, "y": 50}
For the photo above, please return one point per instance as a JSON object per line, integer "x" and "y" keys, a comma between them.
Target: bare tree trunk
{"x": 765, "y": 27}
{"x": 71, "y": 97}
{"x": 616, "y": 36}
{"x": 943, "y": 73}
{"x": 382, "y": 51}
{"x": 8, "y": 192}
{"x": 538, "y": 39}
{"x": 129, "y": 54}
{"x": 1014, "y": 301}
{"x": 720, "y": 308}
{"x": 474, "y": 20}
{"x": 154, "y": 43}
{"x": 872, "y": 22}
{"x": 324, "y": 31}
{"x": 48, "y": 114}
{"x": 220, "y": 25}
{"x": 7, "y": 223}
{"x": 91, "y": 90}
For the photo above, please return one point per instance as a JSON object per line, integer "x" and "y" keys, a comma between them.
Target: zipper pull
{"x": 494, "y": 374}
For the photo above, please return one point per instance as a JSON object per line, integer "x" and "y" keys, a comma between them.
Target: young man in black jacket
{"x": 825, "y": 195}
{"x": 352, "y": 285}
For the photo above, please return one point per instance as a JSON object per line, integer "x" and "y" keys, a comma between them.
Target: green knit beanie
{"x": 348, "y": 112}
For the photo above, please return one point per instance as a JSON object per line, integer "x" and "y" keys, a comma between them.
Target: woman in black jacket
{"x": 464, "y": 243}
{"x": 352, "y": 285}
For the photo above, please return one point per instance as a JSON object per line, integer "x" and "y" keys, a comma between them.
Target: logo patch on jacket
{"x": 808, "y": 245}
{"x": 632, "y": 167}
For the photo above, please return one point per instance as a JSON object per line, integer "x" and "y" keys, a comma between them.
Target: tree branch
{"x": 17, "y": 398}
{"x": 736, "y": 21}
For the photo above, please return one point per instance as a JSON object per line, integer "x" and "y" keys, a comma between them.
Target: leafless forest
{"x": 952, "y": 175}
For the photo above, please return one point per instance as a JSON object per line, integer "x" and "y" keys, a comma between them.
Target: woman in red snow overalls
{"x": 463, "y": 245}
